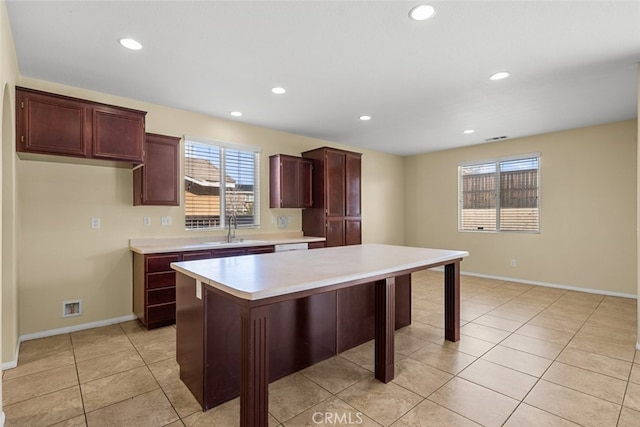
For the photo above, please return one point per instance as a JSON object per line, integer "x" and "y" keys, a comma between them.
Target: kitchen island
{"x": 219, "y": 300}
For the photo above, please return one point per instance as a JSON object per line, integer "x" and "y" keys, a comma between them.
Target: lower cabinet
{"x": 343, "y": 231}
{"x": 154, "y": 291}
{"x": 154, "y": 282}
{"x": 301, "y": 333}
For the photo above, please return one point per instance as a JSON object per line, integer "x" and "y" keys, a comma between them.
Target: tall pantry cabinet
{"x": 336, "y": 210}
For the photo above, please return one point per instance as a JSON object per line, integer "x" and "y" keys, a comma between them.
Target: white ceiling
{"x": 572, "y": 64}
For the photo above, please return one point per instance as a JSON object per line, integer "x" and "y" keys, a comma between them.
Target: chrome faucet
{"x": 231, "y": 235}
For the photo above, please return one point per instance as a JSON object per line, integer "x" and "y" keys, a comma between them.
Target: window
{"x": 221, "y": 181}
{"x": 499, "y": 195}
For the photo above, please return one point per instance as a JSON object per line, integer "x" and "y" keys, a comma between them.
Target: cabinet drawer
{"x": 223, "y": 253}
{"x": 161, "y": 280}
{"x": 190, "y": 256}
{"x": 156, "y": 263}
{"x": 162, "y": 312}
{"x": 261, "y": 250}
{"x": 161, "y": 296}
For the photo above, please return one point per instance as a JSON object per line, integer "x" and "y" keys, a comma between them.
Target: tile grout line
{"x": 521, "y": 401}
{"x": 554, "y": 361}
{"x": 75, "y": 364}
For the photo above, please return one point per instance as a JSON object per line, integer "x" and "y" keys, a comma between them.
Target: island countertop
{"x": 255, "y": 277}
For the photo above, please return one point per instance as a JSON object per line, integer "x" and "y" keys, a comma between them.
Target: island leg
{"x": 254, "y": 387}
{"x": 452, "y": 301}
{"x": 385, "y": 314}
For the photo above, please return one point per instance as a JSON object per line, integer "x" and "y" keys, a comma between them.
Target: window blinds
{"x": 221, "y": 183}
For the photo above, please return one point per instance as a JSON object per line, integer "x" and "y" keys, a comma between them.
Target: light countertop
{"x": 254, "y": 277}
{"x": 184, "y": 244}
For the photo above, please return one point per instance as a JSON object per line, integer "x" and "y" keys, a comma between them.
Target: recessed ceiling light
{"x": 468, "y": 131}
{"x": 236, "y": 113}
{"x": 130, "y": 44}
{"x": 422, "y": 12}
{"x": 499, "y": 76}
{"x": 278, "y": 90}
{"x": 365, "y": 118}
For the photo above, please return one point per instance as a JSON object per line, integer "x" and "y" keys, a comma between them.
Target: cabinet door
{"x": 305, "y": 189}
{"x": 48, "y": 124}
{"x": 352, "y": 183}
{"x": 352, "y": 232}
{"x": 288, "y": 182}
{"x": 118, "y": 134}
{"x": 335, "y": 232}
{"x": 156, "y": 182}
{"x": 335, "y": 176}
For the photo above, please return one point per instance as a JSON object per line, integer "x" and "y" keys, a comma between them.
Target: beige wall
{"x": 588, "y": 209}
{"x": 8, "y": 302}
{"x": 62, "y": 258}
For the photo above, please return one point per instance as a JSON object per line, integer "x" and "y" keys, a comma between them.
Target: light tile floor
{"x": 528, "y": 356}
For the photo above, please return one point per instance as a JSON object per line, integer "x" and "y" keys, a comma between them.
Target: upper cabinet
{"x": 156, "y": 182}
{"x": 290, "y": 182}
{"x": 47, "y": 123}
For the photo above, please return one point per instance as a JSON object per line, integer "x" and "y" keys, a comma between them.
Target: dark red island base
{"x": 244, "y": 322}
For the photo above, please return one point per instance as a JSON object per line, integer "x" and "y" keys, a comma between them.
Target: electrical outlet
{"x": 146, "y": 220}
{"x": 283, "y": 221}
{"x": 166, "y": 220}
{"x": 95, "y": 223}
{"x": 513, "y": 263}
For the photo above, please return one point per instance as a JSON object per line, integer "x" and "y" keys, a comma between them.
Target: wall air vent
{"x": 495, "y": 138}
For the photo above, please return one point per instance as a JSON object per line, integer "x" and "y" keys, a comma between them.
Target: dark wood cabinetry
{"x": 336, "y": 216}
{"x": 290, "y": 182}
{"x": 156, "y": 182}
{"x": 154, "y": 288}
{"x": 336, "y": 210}
{"x": 154, "y": 282}
{"x": 48, "y": 123}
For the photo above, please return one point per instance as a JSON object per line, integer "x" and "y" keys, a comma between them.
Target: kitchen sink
{"x": 235, "y": 242}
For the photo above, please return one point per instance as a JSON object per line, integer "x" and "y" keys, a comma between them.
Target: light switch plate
{"x": 166, "y": 220}
{"x": 146, "y": 220}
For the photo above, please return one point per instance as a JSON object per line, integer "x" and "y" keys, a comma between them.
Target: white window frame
{"x": 222, "y": 145}
{"x": 497, "y": 162}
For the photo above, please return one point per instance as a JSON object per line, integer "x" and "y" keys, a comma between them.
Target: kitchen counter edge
{"x": 183, "y": 246}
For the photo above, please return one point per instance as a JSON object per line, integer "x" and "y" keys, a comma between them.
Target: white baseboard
{"x": 549, "y": 285}
{"x": 14, "y": 363}
{"x": 2, "y": 418}
{"x": 638, "y": 346}
{"x": 76, "y": 328}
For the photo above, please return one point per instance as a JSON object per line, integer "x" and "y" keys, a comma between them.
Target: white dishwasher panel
{"x": 292, "y": 247}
